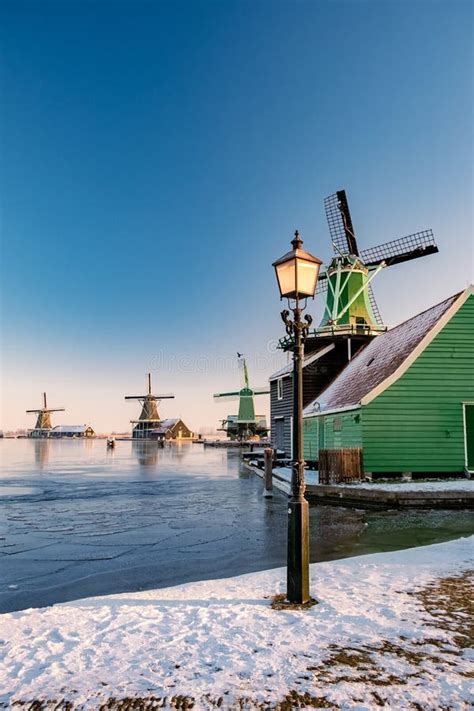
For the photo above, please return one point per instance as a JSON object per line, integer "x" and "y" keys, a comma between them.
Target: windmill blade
{"x": 419, "y": 244}
{"x": 375, "y": 307}
{"x": 340, "y": 223}
{"x": 322, "y": 285}
{"x": 48, "y": 409}
{"x": 153, "y": 397}
{"x": 263, "y": 390}
{"x": 226, "y": 397}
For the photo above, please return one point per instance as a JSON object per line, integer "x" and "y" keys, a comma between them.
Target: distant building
{"x": 40, "y": 432}
{"x": 43, "y": 427}
{"x": 172, "y": 429}
{"x": 149, "y": 418}
{"x": 72, "y": 431}
{"x": 246, "y": 424}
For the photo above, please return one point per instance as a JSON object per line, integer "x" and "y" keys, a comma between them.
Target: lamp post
{"x": 297, "y": 275}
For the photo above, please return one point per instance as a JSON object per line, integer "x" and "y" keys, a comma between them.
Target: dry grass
{"x": 279, "y": 602}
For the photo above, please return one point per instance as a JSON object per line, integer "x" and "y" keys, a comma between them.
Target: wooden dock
{"x": 229, "y": 443}
{"x": 367, "y": 498}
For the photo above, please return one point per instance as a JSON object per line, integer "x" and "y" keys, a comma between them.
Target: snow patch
{"x": 221, "y": 639}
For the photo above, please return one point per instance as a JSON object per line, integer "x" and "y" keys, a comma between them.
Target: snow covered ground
{"x": 390, "y": 628}
{"x": 445, "y": 485}
{"x": 312, "y": 478}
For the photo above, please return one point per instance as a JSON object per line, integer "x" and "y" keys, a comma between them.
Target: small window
{"x": 280, "y": 389}
{"x": 337, "y": 424}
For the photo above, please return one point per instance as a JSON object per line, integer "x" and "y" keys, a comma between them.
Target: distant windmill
{"x": 347, "y": 280}
{"x": 246, "y": 423}
{"x": 149, "y": 418}
{"x": 43, "y": 425}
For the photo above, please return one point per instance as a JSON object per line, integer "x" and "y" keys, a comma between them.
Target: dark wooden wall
{"x": 316, "y": 378}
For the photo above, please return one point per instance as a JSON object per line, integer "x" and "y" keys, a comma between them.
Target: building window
{"x": 337, "y": 424}
{"x": 280, "y": 389}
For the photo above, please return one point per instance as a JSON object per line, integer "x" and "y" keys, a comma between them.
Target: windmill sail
{"x": 262, "y": 390}
{"x": 340, "y": 224}
{"x": 322, "y": 285}
{"x": 246, "y": 423}
{"x": 149, "y": 415}
{"x": 350, "y": 301}
{"x": 412, "y": 246}
{"x": 227, "y": 396}
{"x": 43, "y": 421}
{"x": 375, "y": 307}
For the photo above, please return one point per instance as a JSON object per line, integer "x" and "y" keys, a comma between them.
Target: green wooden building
{"x": 407, "y": 398}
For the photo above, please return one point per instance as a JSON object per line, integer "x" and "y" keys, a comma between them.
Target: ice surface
{"x": 143, "y": 518}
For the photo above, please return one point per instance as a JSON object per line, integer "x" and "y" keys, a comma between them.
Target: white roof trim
{"x": 445, "y": 318}
{"x": 288, "y": 369}
{"x": 334, "y": 411}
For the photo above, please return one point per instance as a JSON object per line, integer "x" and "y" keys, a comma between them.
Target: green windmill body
{"x": 246, "y": 423}
{"x": 348, "y": 296}
{"x": 246, "y": 405}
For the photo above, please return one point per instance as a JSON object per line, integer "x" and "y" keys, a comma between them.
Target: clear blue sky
{"x": 156, "y": 158}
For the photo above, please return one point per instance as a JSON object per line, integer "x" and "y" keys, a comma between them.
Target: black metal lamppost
{"x": 297, "y": 275}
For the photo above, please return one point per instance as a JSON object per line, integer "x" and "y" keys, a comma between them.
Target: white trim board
{"x": 334, "y": 411}
{"x": 287, "y": 371}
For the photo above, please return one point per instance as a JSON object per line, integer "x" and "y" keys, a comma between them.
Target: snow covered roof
{"x": 165, "y": 425}
{"x": 385, "y": 358}
{"x": 77, "y": 429}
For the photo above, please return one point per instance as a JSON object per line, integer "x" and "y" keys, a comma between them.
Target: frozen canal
{"x": 77, "y": 520}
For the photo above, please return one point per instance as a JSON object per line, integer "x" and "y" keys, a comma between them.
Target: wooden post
{"x": 268, "y": 475}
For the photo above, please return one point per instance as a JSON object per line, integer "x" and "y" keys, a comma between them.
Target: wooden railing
{"x": 337, "y": 466}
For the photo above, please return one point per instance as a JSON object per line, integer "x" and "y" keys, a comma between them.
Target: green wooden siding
{"x": 417, "y": 423}
{"x": 331, "y": 431}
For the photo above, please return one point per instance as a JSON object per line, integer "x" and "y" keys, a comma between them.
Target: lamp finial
{"x": 297, "y": 241}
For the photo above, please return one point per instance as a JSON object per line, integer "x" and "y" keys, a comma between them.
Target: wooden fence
{"x": 337, "y": 466}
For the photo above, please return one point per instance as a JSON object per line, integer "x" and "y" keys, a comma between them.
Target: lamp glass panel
{"x": 307, "y": 277}
{"x": 286, "y": 274}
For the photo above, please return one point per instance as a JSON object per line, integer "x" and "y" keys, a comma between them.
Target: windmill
{"x": 43, "y": 425}
{"x": 149, "y": 418}
{"x": 246, "y": 423}
{"x": 350, "y": 301}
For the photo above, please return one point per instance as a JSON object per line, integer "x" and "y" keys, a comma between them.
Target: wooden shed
{"x": 407, "y": 398}
{"x": 172, "y": 429}
{"x": 72, "y": 431}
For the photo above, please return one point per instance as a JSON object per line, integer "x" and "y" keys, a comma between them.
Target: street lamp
{"x": 297, "y": 275}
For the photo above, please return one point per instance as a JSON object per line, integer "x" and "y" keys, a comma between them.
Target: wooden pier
{"x": 373, "y": 498}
